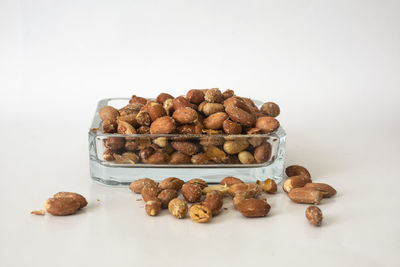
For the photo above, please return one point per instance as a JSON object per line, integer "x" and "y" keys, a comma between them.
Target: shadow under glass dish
{"x": 111, "y": 173}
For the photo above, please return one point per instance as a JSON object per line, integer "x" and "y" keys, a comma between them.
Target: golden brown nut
{"x": 200, "y": 158}
{"x": 61, "y": 206}
{"x": 215, "y": 121}
{"x": 199, "y": 182}
{"x": 161, "y": 98}
{"x": 166, "y": 195}
{"x": 213, "y": 201}
{"x": 326, "y": 190}
{"x": 211, "y": 108}
{"x": 241, "y": 116}
{"x": 262, "y": 153}
{"x": 236, "y": 146}
{"x": 108, "y": 113}
{"x": 126, "y": 158}
{"x": 228, "y": 93}
{"x": 163, "y": 125}
{"x": 109, "y": 126}
{"x": 143, "y": 118}
{"x": 267, "y": 124}
{"x": 305, "y": 195}
{"x": 231, "y": 127}
{"x": 295, "y": 170}
{"x": 214, "y": 95}
{"x": 314, "y": 215}
{"x": 187, "y": 148}
{"x": 270, "y": 186}
{"x": 181, "y": 102}
{"x": 185, "y": 115}
{"x": 200, "y": 213}
{"x": 150, "y": 192}
{"x": 138, "y": 99}
{"x": 195, "y": 96}
{"x": 137, "y": 185}
{"x": 81, "y": 199}
{"x": 155, "y": 110}
{"x": 178, "y": 208}
{"x": 295, "y": 182}
{"x": 192, "y": 192}
{"x": 229, "y": 180}
{"x": 270, "y": 109}
{"x": 179, "y": 158}
{"x": 171, "y": 183}
{"x": 253, "y": 208}
{"x": 153, "y": 207}
{"x": 114, "y": 143}
{"x": 245, "y": 157}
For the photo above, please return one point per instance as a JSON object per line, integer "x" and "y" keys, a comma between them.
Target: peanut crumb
{"x": 38, "y": 212}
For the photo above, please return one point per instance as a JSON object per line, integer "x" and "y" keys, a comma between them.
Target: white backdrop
{"x": 333, "y": 67}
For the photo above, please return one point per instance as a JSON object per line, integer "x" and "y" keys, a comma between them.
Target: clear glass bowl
{"x": 123, "y": 168}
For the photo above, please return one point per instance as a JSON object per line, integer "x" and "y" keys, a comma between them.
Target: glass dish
{"x": 125, "y": 168}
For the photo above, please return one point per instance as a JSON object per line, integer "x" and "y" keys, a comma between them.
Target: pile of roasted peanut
{"x": 246, "y": 196}
{"x": 207, "y": 112}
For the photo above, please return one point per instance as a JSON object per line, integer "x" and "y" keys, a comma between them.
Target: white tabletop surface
{"x": 333, "y": 66}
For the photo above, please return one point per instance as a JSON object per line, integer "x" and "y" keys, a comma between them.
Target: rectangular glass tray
{"x": 111, "y": 173}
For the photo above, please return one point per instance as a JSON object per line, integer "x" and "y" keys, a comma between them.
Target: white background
{"x": 333, "y": 67}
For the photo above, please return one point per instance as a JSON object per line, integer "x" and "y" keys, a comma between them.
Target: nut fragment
{"x": 295, "y": 182}
{"x": 75, "y": 196}
{"x": 314, "y": 215}
{"x": 61, "y": 206}
{"x": 270, "y": 186}
{"x": 38, "y": 212}
{"x": 178, "y": 207}
{"x": 137, "y": 185}
{"x": 295, "y": 170}
{"x": 200, "y": 213}
{"x": 221, "y": 188}
{"x": 326, "y": 190}
{"x": 171, "y": 183}
{"x": 229, "y": 180}
{"x": 161, "y": 141}
{"x": 254, "y": 207}
{"x": 192, "y": 192}
{"x": 166, "y": 195}
{"x": 305, "y": 195}
{"x": 153, "y": 207}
